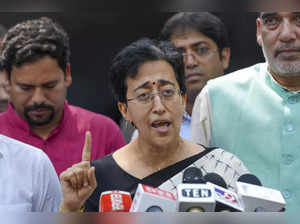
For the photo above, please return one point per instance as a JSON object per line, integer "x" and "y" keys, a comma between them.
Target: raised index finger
{"x": 86, "y": 152}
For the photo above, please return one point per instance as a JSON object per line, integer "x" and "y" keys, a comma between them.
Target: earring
{"x": 132, "y": 124}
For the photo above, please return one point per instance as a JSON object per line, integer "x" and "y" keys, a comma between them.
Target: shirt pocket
{"x": 20, "y": 207}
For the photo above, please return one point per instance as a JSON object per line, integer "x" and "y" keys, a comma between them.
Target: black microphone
{"x": 215, "y": 179}
{"x": 249, "y": 179}
{"x": 192, "y": 175}
{"x": 226, "y": 200}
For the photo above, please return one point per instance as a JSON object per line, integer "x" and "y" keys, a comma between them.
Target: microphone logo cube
{"x": 196, "y": 197}
{"x": 228, "y": 198}
{"x": 115, "y": 201}
{"x": 149, "y": 199}
{"x": 258, "y": 198}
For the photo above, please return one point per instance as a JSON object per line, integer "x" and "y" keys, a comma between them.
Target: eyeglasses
{"x": 202, "y": 52}
{"x": 165, "y": 95}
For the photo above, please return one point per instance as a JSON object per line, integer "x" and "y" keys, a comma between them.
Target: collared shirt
{"x": 184, "y": 129}
{"x": 28, "y": 181}
{"x": 65, "y": 143}
{"x": 252, "y": 116}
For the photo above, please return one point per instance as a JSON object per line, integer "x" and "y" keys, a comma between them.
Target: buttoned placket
{"x": 289, "y": 134}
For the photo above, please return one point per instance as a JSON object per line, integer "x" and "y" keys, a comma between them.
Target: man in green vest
{"x": 255, "y": 112}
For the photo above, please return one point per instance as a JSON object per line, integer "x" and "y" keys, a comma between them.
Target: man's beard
{"x": 288, "y": 68}
{"x": 32, "y": 122}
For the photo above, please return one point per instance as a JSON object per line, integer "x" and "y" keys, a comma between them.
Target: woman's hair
{"x": 127, "y": 62}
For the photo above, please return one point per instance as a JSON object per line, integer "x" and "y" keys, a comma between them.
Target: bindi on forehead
{"x": 150, "y": 84}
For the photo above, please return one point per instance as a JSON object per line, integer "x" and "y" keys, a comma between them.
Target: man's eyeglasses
{"x": 202, "y": 52}
{"x": 165, "y": 95}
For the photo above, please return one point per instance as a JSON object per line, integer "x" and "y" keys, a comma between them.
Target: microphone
{"x": 150, "y": 199}
{"x": 215, "y": 178}
{"x": 193, "y": 195}
{"x": 250, "y": 179}
{"x": 192, "y": 175}
{"x": 257, "y": 198}
{"x": 226, "y": 200}
{"x": 115, "y": 201}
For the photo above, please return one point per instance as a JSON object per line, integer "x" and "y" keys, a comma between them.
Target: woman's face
{"x": 155, "y": 104}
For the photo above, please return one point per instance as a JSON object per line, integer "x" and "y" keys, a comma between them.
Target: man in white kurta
{"x": 28, "y": 181}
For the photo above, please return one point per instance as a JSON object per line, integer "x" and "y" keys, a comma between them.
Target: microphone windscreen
{"x": 215, "y": 179}
{"x": 192, "y": 175}
{"x": 250, "y": 179}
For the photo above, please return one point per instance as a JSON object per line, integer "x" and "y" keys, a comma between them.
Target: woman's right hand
{"x": 78, "y": 182}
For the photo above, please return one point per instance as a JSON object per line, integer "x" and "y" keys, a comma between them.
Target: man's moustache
{"x": 36, "y": 107}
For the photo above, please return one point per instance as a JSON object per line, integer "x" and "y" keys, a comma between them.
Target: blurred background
{"x": 95, "y": 38}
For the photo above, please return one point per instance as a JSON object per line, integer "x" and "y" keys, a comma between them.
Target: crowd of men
{"x": 252, "y": 112}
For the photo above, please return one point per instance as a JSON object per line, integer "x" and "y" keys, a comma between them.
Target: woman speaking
{"x": 148, "y": 81}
